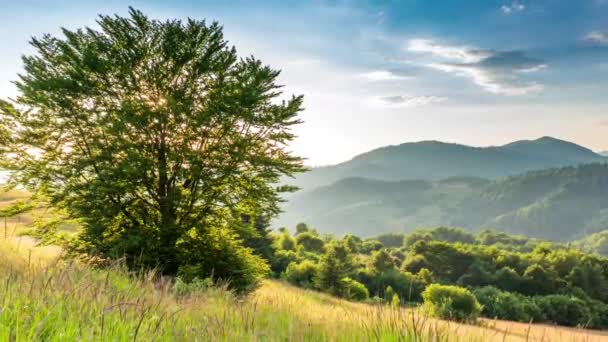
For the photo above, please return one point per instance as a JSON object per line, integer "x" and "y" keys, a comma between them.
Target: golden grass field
{"x": 45, "y": 298}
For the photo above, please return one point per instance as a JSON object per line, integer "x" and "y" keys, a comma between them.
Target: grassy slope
{"x": 42, "y": 298}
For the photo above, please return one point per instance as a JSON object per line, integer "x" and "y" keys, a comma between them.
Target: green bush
{"x": 507, "y": 279}
{"x": 280, "y": 261}
{"x": 506, "y": 305}
{"x": 368, "y": 246}
{"x": 599, "y": 312}
{"x": 286, "y": 242}
{"x": 301, "y": 274}
{"x": 354, "y": 290}
{"x": 222, "y": 256}
{"x": 406, "y": 285}
{"x": 310, "y": 242}
{"x": 451, "y": 302}
{"x": 564, "y": 310}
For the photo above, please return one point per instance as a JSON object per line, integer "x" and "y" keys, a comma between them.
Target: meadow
{"x": 44, "y": 297}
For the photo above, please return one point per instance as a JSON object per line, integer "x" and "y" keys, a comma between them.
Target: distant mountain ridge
{"x": 434, "y": 160}
{"x": 558, "y": 204}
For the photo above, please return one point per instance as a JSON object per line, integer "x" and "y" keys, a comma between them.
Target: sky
{"x": 376, "y": 73}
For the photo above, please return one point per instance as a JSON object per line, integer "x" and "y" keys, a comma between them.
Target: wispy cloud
{"x": 597, "y": 37}
{"x": 384, "y": 75}
{"x": 461, "y": 53}
{"x": 408, "y": 101}
{"x": 514, "y": 7}
{"x": 498, "y": 72}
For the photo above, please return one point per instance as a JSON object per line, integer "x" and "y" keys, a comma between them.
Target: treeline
{"x": 495, "y": 274}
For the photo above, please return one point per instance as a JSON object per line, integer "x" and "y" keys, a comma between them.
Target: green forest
{"x": 507, "y": 277}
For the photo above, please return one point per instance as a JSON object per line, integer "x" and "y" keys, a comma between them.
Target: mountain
{"x": 558, "y": 204}
{"x": 604, "y": 153}
{"x": 434, "y": 160}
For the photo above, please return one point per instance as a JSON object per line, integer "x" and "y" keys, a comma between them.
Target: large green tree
{"x": 155, "y": 135}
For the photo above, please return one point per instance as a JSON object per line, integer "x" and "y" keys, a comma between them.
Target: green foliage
{"x": 538, "y": 280}
{"x": 451, "y": 302}
{"x": 302, "y": 228}
{"x": 368, "y": 246}
{"x": 281, "y": 259}
{"x": 286, "y": 242}
{"x": 335, "y": 265}
{"x": 594, "y": 243}
{"x": 354, "y": 290}
{"x": 564, "y": 310}
{"x": 447, "y": 261}
{"x": 507, "y": 279}
{"x": 506, "y": 241}
{"x": 156, "y": 136}
{"x": 395, "y": 301}
{"x": 414, "y": 263}
{"x": 220, "y": 255}
{"x": 382, "y": 261}
{"x": 476, "y": 275}
{"x": 310, "y": 242}
{"x": 353, "y": 242}
{"x": 258, "y": 237}
{"x": 302, "y": 274}
{"x": 506, "y": 305}
{"x": 590, "y": 278}
{"x": 445, "y": 234}
{"x": 389, "y": 293}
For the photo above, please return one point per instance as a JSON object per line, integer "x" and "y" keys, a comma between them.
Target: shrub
{"x": 310, "y": 242}
{"x": 599, "y": 312}
{"x": 451, "y": 302}
{"x": 369, "y": 246}
{"x": 564, "y": 310}
{"x": 286, "y": 242}
{"x": 301, "y": 274}
{"x": 395, "y": 302}
{"x": 281, "y": 260}
{"x": 354, "y": 290}
{"x": 507, "y": 279}
{"x": 415, "y": 263}
{"x": 382, "y": 261}
{"x": 404, "y": 284}
{"x": 222, "y": 256}
{"x": 389, "y": 293}
{"x": 505, "y": 305}
{"x": 335, "y": 265}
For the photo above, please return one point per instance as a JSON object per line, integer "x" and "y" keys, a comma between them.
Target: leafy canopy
{"x": 152, "y": 134}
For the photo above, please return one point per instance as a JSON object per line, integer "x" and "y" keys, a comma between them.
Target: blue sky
{"x": 385, "y": 72}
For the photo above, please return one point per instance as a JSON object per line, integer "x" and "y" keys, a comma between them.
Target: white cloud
{"x": 597, "y": 37}
{"x": 407, "y": 101}
{"x": 514, "y": 7}
{"x": 461, "y": 53}
{"x": 383, "y": 75}
{"x": 497, "y": 72}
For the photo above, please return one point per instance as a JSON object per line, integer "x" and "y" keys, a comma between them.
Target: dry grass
{"x": 44, "y": 298}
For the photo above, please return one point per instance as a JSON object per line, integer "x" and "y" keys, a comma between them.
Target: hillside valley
{"x": 434, "y": 160}
{"x": 558, "y": 204}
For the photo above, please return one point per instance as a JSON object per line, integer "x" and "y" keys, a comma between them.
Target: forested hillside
{"x": 559, "y": 204}
{"x": 434, "y": 160}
